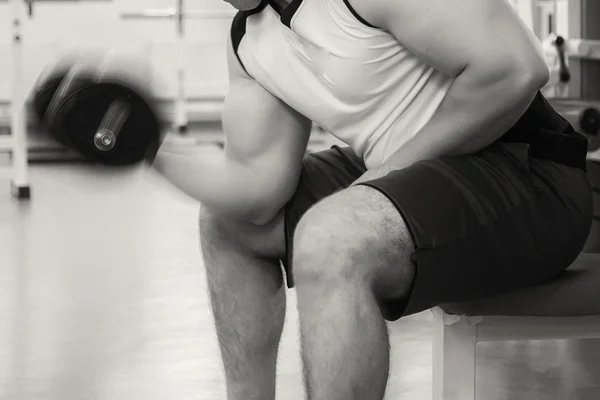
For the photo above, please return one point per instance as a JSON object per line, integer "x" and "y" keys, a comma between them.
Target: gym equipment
{"x": 565, "y": 56}
{"x": 179, "y": 14}
{"x": 589, "y": 120}
{"x": 16, "y": 144}
{"x": 584, "y": 115}
{"x": 563, "y": 72}
{"x": 571, "y": 45}
{"x": 107, "y": 119}
{"x": 42, "y": 95}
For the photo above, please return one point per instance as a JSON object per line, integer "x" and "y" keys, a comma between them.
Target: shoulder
{"x": 366, "y": 10}
{"x": 384, "y": 14}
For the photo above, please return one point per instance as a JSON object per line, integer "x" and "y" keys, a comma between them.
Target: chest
{"x": 322, "y": 48}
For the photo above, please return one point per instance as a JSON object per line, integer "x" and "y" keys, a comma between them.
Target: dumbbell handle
{"x": 106, "y": 137}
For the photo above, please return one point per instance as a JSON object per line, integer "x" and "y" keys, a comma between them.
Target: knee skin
{"x": 358, "y": 237}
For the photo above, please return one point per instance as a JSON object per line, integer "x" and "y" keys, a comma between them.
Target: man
{"x": 459, "y": 180}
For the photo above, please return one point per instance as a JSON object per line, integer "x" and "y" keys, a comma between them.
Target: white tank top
{"x": 355, "y": 81}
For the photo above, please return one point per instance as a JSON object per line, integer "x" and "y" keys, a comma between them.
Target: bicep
{"x": 263, "y": 133}
{"x": 450, "y": 35}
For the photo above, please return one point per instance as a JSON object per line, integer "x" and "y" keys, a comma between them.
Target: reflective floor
{"x": 103, "y": 296}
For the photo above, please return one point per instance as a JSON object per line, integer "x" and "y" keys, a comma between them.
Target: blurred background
{"x": 102, "y": 287}
{"x": 56, "y": 26}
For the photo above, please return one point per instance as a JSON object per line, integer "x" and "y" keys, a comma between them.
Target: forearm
{"x": 477, "y": 110}
{"x": 225, "y": 186}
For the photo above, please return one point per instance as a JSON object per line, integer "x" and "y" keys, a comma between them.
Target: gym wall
{"x": 62, "y": 25}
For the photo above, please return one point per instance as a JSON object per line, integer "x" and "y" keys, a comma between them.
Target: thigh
{"x": 487, "y": 223}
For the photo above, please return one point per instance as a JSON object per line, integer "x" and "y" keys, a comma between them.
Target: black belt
{"x": 568, "y": 147}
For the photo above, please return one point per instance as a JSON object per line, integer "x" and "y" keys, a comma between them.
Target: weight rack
{"x": 179, "y": 15}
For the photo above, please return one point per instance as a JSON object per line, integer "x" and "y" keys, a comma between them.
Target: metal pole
{"x": 171, "y": 12}
{"x": 181, "y": 119}
{"x": 20, "y": 184}
{"x": 574, "y": 13}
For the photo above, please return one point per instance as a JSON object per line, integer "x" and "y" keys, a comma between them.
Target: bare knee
{"x": 222, "y": 234}
{"x": 355, "y": 237}
{"x": 326, "y": 251}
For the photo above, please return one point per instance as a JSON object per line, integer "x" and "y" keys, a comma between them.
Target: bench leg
{"x": 454, "y": 341}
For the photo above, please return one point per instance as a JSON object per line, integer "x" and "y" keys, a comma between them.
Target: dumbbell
{"x": 43, "y": 92}
{"x": 107, "y": 117}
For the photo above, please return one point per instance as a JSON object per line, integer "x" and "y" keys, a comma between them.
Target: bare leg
{"x": 345, "y": 348}
{"x": 248, "y": 301}
{"x": 351, "y": 252}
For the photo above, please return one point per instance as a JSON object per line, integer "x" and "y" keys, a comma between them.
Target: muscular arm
{"x": 496, "y": 63}
{"x": 260, "y": 167}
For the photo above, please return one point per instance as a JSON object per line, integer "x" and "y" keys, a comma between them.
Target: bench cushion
{"x": 575, "y": 293}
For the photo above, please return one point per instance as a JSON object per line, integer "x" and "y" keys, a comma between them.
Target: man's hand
{"x": 495, "y": 60}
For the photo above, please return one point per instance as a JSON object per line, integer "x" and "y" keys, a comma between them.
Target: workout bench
{"x": 565, "y": 308}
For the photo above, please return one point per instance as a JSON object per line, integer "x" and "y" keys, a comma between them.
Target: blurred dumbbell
{"x": 100, "y": 107}
{"x": 45, "y": 88}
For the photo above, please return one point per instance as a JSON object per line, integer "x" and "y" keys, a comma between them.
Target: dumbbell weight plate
{"x": 79, "y": 117}
{"x": 42, "y": 94}
{"x": 50, "y": 80}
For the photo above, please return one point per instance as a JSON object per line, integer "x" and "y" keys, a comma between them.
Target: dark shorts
{"x": 482, "y": 224}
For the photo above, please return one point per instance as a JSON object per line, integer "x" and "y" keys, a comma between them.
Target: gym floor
{"x": 103, "y": 296}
